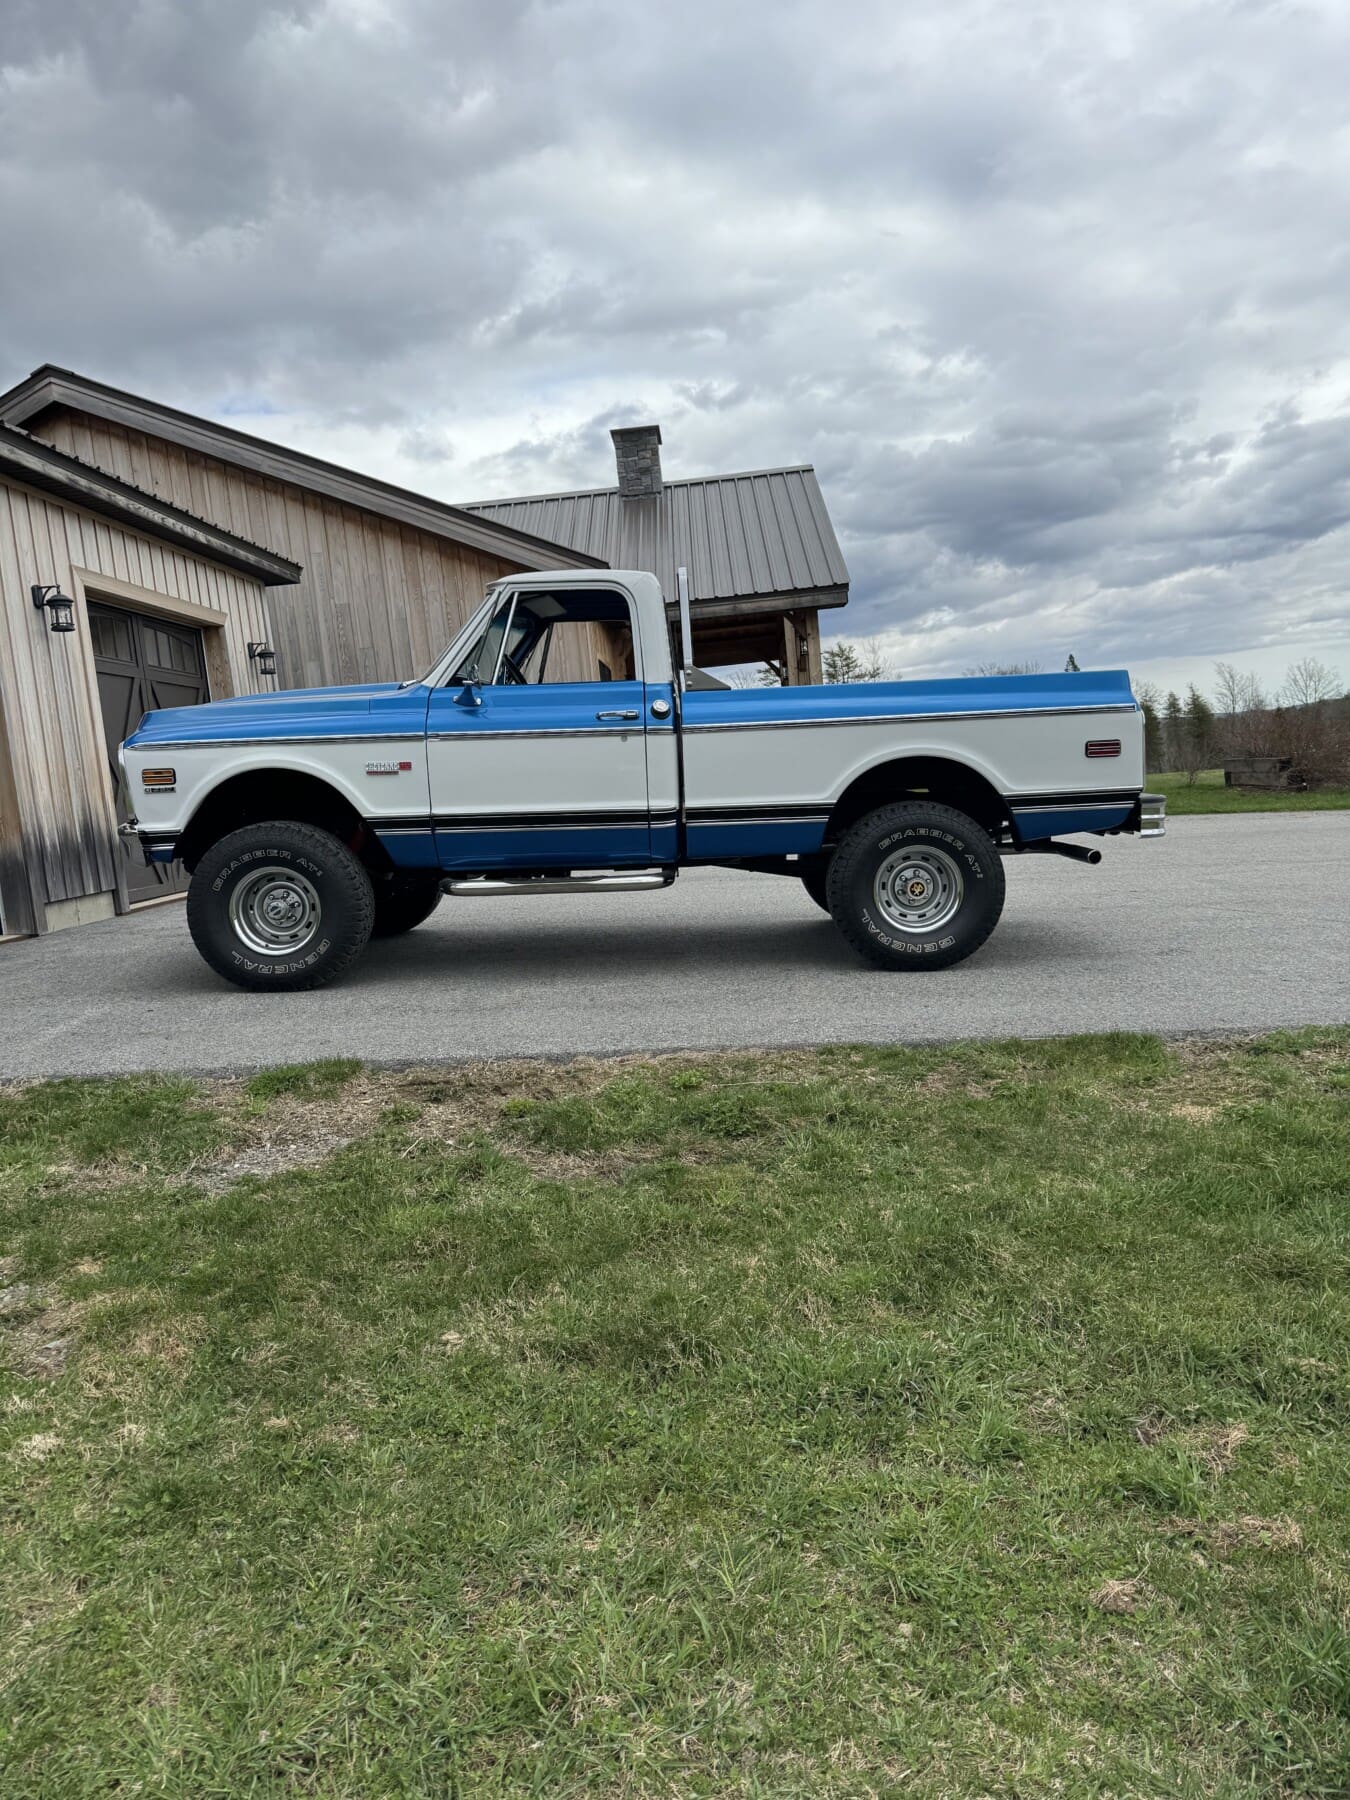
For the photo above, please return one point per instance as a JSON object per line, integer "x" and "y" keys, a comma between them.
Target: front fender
{"x": 345, "y": 768}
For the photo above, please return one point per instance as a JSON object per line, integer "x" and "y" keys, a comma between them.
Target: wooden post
{"x": 801, "y": 649}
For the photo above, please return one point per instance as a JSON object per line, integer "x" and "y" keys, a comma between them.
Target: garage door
{"x": 143, "y": 663}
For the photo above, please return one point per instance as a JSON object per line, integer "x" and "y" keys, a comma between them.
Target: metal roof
{"x": 27, "y": 460}
{"x": 50, "y": 386}
{"x": 762, "y": 537}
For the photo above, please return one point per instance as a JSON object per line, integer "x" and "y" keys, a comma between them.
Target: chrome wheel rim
{"x": 918, "y": 889}
{"x": 274, "y": 910}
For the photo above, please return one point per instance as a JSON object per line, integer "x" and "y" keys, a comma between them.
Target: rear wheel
{"x": 404, "y": 901}
{"x": 280, "y": 906}
{"x": 916, "y": 886}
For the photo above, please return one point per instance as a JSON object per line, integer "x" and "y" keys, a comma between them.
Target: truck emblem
{"x": 388, "y": 768}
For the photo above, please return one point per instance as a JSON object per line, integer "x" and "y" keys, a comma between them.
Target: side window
{"x": 541, "y": 637}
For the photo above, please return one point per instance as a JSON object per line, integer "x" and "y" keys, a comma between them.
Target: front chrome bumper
{"x": 1153, "y": 815}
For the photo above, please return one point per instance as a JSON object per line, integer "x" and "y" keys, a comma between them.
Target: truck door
{"x": 536, "y": 746}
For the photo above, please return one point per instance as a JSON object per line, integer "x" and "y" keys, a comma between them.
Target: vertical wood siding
{"x": 378, "y": 600}
{"x": 48, "y": 693}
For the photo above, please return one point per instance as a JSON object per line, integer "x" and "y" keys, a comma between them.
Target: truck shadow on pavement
{"x": 636, "y": 952}
{"x": 630, "y": 951}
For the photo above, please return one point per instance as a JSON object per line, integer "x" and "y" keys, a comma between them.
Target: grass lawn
{"x": 920, "y": 1422}
{"x": 1209, "y": 795}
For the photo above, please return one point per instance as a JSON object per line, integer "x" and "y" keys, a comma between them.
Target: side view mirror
{"x": 470, "y": 691}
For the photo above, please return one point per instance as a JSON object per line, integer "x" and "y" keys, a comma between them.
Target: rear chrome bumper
{"x": 1153, "y": 815}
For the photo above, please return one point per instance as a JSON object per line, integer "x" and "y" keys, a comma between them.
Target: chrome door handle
{"x": 630, "y": 712}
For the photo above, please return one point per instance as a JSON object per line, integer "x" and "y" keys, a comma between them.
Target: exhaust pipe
{"x": 1074, "y": 852}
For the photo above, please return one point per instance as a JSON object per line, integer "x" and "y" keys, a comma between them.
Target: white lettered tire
{"x": 916, "y": 886}
{"x": 280, "y": 906}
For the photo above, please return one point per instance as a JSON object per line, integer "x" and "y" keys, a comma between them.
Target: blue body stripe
{"x": 605, "y": 847}
{"x": 410, "y": 849}
{"x": 1064, "y": 821}
{"x": 711, "y": 841}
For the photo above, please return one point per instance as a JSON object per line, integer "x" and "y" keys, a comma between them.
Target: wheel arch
{"x": 920, "y": 775}
{"x": 279, "y": 791}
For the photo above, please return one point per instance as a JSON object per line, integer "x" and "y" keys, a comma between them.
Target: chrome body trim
{"x": 469, "y": 736}
{"x": 234, "y": 743}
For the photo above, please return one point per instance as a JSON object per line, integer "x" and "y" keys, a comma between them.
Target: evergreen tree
{"x": 841, "y": 662}
{"x": 1196, "y": 733}
{"x": 1071, "y": 667}
{"x": 1174, "y": 720}
{"x": 845, "y": 661}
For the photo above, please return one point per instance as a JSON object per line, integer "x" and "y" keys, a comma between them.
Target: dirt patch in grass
{"x": 297, "y": 1129}
{"x": 36, "y": 1331}
{"x": 1125, "y": 1597}
{"x": 1251, "y": 1532}
{"x": 1215, "y": 1446}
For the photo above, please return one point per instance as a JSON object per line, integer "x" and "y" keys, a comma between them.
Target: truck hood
{"x": 295, "y": 712}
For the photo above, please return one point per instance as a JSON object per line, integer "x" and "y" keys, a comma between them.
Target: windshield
{"x": 469, "y": 635}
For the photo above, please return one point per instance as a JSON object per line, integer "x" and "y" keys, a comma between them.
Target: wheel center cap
{"x": 282, "y": 908}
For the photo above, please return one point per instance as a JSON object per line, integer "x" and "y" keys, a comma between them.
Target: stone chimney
{"x": 637, "y": 451}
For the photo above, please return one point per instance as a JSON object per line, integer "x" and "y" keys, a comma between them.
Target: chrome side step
{"x": 496, "y": 885}
{"x": 1153, "y": 815}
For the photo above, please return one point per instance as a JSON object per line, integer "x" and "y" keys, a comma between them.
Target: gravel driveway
{"x": 1228, "y": 924}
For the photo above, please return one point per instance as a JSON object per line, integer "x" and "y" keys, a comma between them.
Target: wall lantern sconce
{"x": 59, "y": 607}
{"x": 265, "y": 657}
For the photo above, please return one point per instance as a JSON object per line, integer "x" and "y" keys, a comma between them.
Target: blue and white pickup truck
{"x": 560, "y": 745}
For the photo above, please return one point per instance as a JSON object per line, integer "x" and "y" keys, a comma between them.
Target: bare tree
{"x": 1309, "y": 682}
{"x": 1311, "y": 725}
{"x": 1244, "y": 727}
{"x": 1236, "y": 693}
{"x": 998, "y": 668}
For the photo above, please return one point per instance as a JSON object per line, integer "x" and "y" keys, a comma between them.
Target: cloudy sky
{"x": 1055, "y": 296}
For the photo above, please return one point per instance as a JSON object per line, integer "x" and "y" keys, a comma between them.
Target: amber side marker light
{"x": 1102, "y": 747}
{"x": 159, "y": 778}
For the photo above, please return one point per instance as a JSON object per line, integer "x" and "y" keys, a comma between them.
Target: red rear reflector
{"x": 1102, "y": 747}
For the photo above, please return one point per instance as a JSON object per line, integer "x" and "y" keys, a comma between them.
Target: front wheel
{"x": 280, "y": 906}
{"x": 916, "y": 886}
